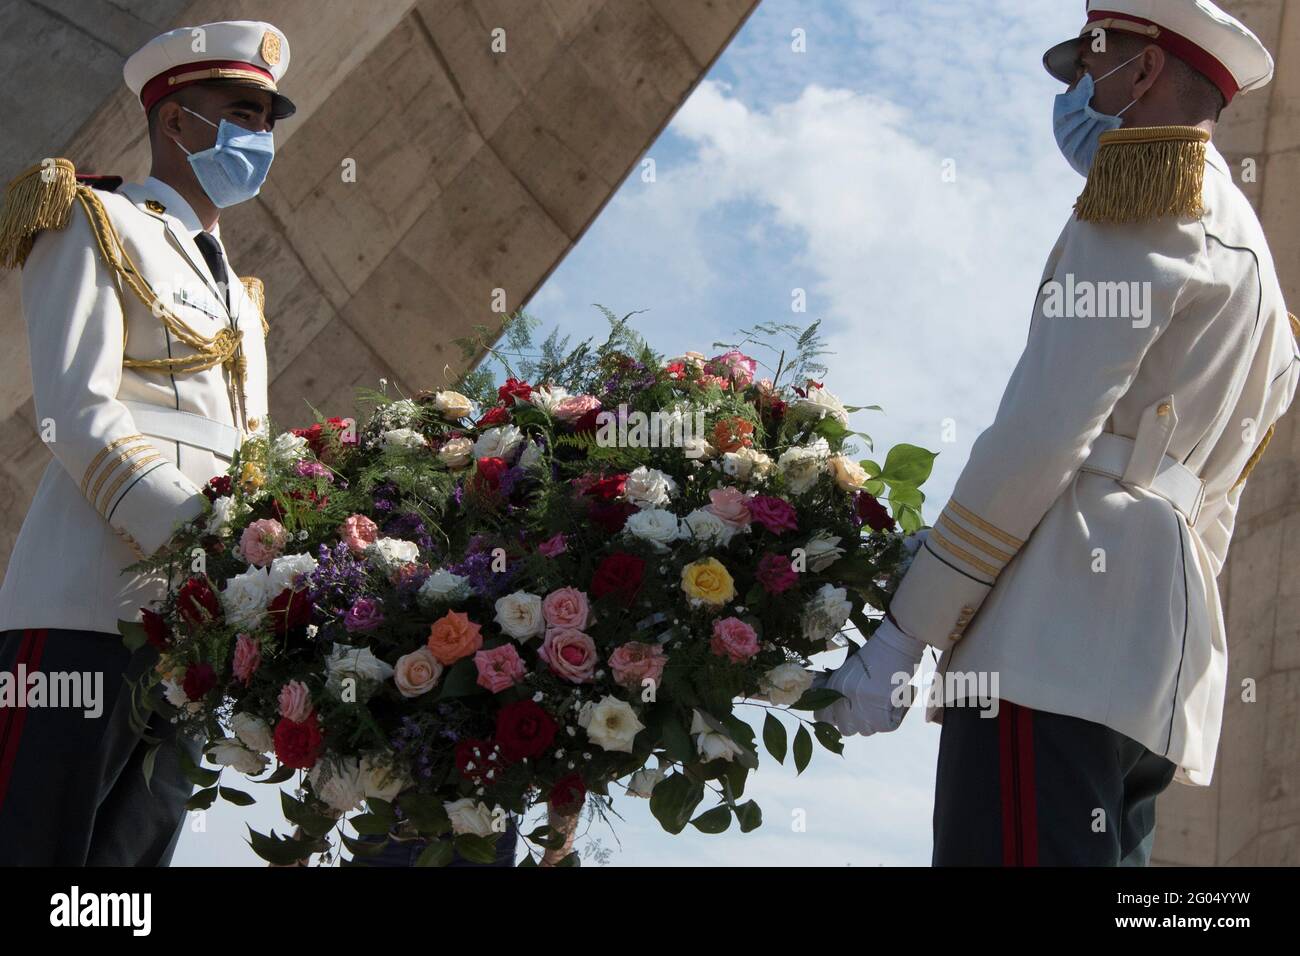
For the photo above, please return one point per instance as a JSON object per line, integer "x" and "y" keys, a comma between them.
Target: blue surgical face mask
{"x": 1078, "y": 126}
{"x": 235, "y": 167}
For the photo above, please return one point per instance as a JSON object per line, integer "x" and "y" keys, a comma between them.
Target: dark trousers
{"x": 1033, "y": 788}
{"x": 72, "y": 786}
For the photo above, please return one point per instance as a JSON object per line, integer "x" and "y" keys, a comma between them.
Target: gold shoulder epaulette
{"x": 256, "y": 291}
{"x": 37, "y": 198}
{"x": 1145, "y": 173}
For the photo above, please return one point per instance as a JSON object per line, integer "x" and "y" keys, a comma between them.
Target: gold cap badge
{"x": 271, "y": 48}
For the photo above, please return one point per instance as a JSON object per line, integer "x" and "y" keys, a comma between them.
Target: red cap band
{"x": 164, "y": 84}
{"x": 1194, "y": 56}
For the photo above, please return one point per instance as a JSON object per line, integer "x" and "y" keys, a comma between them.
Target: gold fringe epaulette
{"x": 1145, "y": 173}
{"x": 256, "y": 291}
{"x": 37, "y": 198}
{"x": 1258, "y": 453}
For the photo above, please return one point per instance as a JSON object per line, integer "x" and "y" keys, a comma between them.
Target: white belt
{"x": 1173, "y": 480}
{"x": 173, "y": 424}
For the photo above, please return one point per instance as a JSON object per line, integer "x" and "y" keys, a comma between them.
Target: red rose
{"x": 218, "y": 487}
{"x": 197, "y": 603}
{"x": 524, "y": 730}
{"x": 474, "y": 758}
{"x": 156, "y": 631}
{"x": 199, "y": 679}
{"x": 496, "y": 415}
{"x": 489, "y": 472}
{"x": 589, "y": 422}
{"x": 619, "y": 575}
{"x": 607, "y": 489}
{"x": 290, "y": 611}
{"x": 297, "y": 745}
{"x": 514, "y": 389}
{"x": 568, "y": 794}
{"x": 611, "y": 517}
{"x": 872, "y": 513}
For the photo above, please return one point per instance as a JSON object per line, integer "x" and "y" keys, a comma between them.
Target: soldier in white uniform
{"x": 148, "y": 367}
{"x": 1077, "y": 559}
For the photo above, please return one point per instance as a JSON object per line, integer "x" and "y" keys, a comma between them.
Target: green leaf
{"x": 437, "y": 853}
{"x": 363, "y": 848}
{"x": 283, "y": 851}
{"x": 674, "y": 800}
{"x": 749, "y": 815}
{"x": 816, "y": 698}
{"x": 461, "y": 680}
{"x": 238, "y": 797}
{"x": 195, "y": 774}
{"x": 545, "y": 836}
{"x": 774, "y": 737}
{"x": 803, "y": 749}
{"x": 716, "y": 820}
{"x": 279, "y": 775}
{"x": 828, "y": 736}
{"x": 202, "y": 800}
{"x": 133, "y": 635}
{"x": 676, "y": 740}
{"x": 426, "y": 813}
{"x": 368, "y": 824}
{"x": 150, "y": 759}
{"x": 908, "y": 465}
{"x": 476, "y": 849}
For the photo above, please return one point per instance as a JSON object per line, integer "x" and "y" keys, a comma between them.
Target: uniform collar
{"x": 1215, "y": 158}
{"x": 175, "y": 206}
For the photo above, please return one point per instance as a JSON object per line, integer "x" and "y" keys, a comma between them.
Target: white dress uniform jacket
{"x": 1077, "y": 558}
{"x": 132, "y": 446}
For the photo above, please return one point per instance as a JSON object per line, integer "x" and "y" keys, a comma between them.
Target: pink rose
{"x": 635, "y": 662}
{"x": 417, "y": 673}
{"x": 776, "y": 573}
{"x": 357, "y": 532}
{"x": 737, "y": 366}
{"x": 248, "y": 658}
{"x": 566, "y": 607}
{"x": 730, "y": 506}
{"x": 574, "y": 407}
{"x": 262, "y": 541}
{"x": 295, "y": 702}
{"x": 570, "y": 653}
{"x": 775, "y": 514}
{"x": 553, "y": 546}
{"x": 734, "y": 640}
{"x": 499, "y": 668}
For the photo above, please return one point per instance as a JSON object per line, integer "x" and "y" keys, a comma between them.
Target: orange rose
{"x": 732, "y": 434}
{"x": 454, "y": 636}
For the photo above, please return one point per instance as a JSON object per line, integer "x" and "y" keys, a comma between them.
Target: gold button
{"x": 1164, "y": 408}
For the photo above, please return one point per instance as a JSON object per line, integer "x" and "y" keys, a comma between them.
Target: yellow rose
{"x": 250, "y": 476}
{"x": 708, "y": 581}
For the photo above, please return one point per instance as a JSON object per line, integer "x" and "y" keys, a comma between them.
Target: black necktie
{"x": 211, "y": 250}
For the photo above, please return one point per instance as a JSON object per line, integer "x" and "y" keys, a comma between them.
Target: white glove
{"x": 868, "y": 680}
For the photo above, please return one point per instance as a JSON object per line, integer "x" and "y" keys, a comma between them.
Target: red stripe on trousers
{"x": 1019, "y": 797}
{"x": 12, "y": 719}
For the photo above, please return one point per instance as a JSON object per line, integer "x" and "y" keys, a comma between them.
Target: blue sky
{"x": 825, "y": 171}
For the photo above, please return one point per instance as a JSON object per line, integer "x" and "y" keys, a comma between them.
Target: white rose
{"x": 402, "y": 439}
{"x": 712, "y": 745}
{"x": 498, "y": 442}
{"x": 443, "y": 586}
{"x": 389, "y": 554}
{"x": 847, "y": 473}
{"x": 456, "y": 453}
{"x": 520, "y": 615}
{"x": 697, "y": 448}
{"x": 469, "y": 816}
{"x": 826, "y": 613}
{"x": 253, "y": 733}
{"x": 337, "y": 781}
{"x": 452, "y": 405}
{"x": 802, "y": 465}
{"x": 655, "y": 525}
{"x": 822, "y": 550}
{"x": 380, "y": 780}
{"x": 357, "y": 663}
{"x": 649, "y": 487}
{"x": 223, "y": 512}
{"x": 612, "y": 725}
{"x": 819, "y": 403}
{"x": 231, "y": 753}
{"x": 746, "y": 464}
{"x": 246, "y": 596}
{"x": 708, "y": 528}
{"x": 288, "y": 448}
{"x": 547, "y": 397}
{"x": 785, "y": 684}
{"x": 174, "y": 693}
{"x": 531, "y": 455}
{"x": 286, "y": 568}
{"x": 643, "y": 782}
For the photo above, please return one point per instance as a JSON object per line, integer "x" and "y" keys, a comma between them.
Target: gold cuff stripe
{"x": 114, "y": 463}
{"x": 991, "y": 530}
{"x": 136, "y": 466}
{"x": 965, "y": 555}
{"x": 996, "y": 553}
{"x": 94, "y": 464}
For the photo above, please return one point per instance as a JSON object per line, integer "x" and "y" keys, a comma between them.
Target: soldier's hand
{"x": 871, "y": 681}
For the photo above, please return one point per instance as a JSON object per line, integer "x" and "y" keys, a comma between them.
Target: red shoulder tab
{"x": 108, "y": 184}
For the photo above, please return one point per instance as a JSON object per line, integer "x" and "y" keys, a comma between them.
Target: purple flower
{"x": 305, "y": 468}
{"x": 365, "y": 614}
